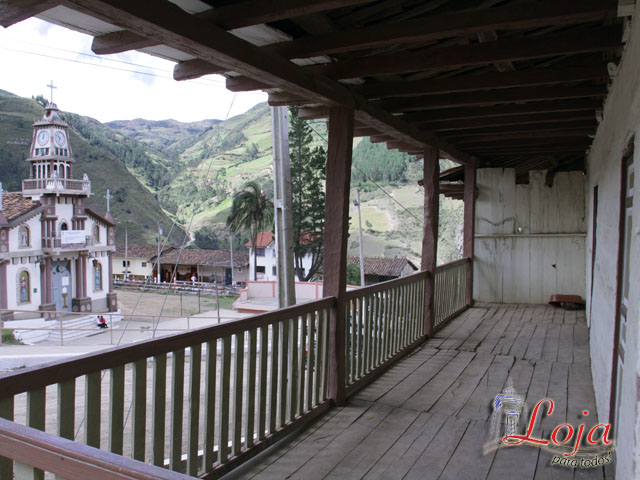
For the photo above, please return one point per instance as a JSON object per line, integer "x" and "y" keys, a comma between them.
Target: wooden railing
{"x": 201, "y": 401}
{"x": 450, "y": 290}
{"x": 383, "y": 321}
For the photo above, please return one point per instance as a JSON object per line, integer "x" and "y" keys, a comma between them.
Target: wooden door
{"x": 626, "y": 225}
{"x": 61, "y": 291}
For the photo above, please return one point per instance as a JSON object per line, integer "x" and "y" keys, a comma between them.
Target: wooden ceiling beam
{"x": 14, "y": 11}
{"x": 314, "y": 113}
{"x": 493, "y": 97}
{"x": 228, "y": 17}
{"x": 506, "y": 136}
{"x": 365, "y": 132}
{"x": 520, "y": 128}
{"x": 171, "y": 26}
{"x": 435, "y": 27}
{"x": 506, "y": 50}
{"x": 539, "y": 120}
{"x": 498, "y": 110}
{"x": 197, "y": 68}
{"x": 485, "y": 81}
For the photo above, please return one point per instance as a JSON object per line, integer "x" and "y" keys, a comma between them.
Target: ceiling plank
{"x": 497, "y": 110}
{"x": 506, "y": 50}
{"x": 528, "y": 127}
{"x": 500, "y": 137}
{"x": 485, "y": 81}
{"x": 235, "y": 15}
{"x": 540, "y": 120}
{"x": 14, "y": 11}
{"x": 494, "y": 97}
{"x": 435, "y": 27}
{"x": 171, "y": 26}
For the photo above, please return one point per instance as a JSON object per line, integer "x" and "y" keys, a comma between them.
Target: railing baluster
{"x": 194, "y": 409}
{"x": 284, "y": 369}
{"x": 325, "y": 355}
{"x": 116, "y": 413}
{"x": 210, "y": 405}
{"x": 35, "y": 419}
{"x": 225, "y": 380}
{"x": 302, "y": 352}
{"x": 6, "y": 411}
{"x": 138, "y": 425}
{"x": 159, "y": 408}
{"x": 355, "y": 342}
{"x": 318, "y": 363}
{"x": 92, "y": 410}
{"x": 294, "y": 377}
{"x": 367, "y": 335}
{"x": 177, "y": 409}
{"x": 238, "y": 387}
{"x": 273, "y": 387}
{"x": 66, "y": 408}
{"x": 251, "y": 389}
{"x": 310, "y": 359}
{"x": 262, "y": 402}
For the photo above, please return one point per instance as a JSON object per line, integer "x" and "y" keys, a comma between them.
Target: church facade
{"x": 55, "y": 252}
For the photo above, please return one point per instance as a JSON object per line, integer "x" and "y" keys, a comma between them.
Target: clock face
{"x": 43, "y": 137}
{"x": 61, "y": 140}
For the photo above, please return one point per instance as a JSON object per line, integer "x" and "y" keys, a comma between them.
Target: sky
{"x": 108, "y": 87}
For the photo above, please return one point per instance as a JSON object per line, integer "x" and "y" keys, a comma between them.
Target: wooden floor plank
{"x": 581, "y": 344}
{"x": 436, "y": 456}
{"x": 454, "y": 398}
{"x": 558, "y": 384}
{"x": 536, "y": 344}
{"x": 496, "y": 333}
{"x": 375, "y": 445}
{"x": 551, "y": 342}
{"x": 418, "y": 378}
{"x": 478, "y": 406}
{"x": 474, "y": 340}
{"x": 511, "y": 332}
{"x": 519, "y": 347}
{"x": 565, "y": 345}
{"x": 468, "y": 460}
{"x": 464, "y": 328}
{"x": 429, "y": 394}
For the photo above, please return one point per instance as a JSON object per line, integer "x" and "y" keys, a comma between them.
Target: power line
{"x": 371, "y": 180}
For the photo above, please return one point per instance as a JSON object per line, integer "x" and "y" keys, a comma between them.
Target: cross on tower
{"x": 108, "y": 196}
{"x": 52, "y": 87}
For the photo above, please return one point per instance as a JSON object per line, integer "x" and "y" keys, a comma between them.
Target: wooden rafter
{"x": 522, "y": 128}
{"x": 539, "y": 120}
{"x": 235, "y": 15}
{"x": 171, "y": 26}
{"x": 14, "y": 11}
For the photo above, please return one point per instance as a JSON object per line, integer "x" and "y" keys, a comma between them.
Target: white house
{"x": 54, "y": 251}
{"x": 136, "y": 261}
{"x": 266, "y": 261}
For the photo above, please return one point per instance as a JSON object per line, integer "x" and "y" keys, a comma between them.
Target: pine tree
{"x": 307, "y": 189}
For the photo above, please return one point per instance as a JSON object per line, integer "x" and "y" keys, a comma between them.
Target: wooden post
{"x": 335, "y": 241}
{"x": 431, "y": 171}
{"x": 469, "y": 225}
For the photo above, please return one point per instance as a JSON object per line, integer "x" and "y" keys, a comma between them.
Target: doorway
{"x": 61, "y": 285}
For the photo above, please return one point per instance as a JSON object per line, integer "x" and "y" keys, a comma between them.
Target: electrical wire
{"x": 371, "y": 180}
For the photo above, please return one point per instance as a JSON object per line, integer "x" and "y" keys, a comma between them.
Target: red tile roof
{"x": 264, "y": 240}
{"x": 140, "y": 251}
{"x": 206, "y": 257}
{"x": 15, "y": 205}
{"x": 382, "y": 266}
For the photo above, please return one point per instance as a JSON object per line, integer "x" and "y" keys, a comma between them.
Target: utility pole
{"x": 357, "y": 204}
{"x": 282, "y": 206}
{"x": 158, "y": 262}
{"x": 126, "y": 252}
{"x": 233, "y": 281}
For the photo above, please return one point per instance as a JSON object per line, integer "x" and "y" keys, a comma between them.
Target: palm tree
{"x": 251, "y": 211}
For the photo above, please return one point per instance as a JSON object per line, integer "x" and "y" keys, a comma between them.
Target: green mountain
{"x": 187, "y": 172}
{"x": 97, "y": 152}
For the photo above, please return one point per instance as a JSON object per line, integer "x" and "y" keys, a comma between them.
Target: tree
{"x": 252, "y": 211}
{"x": 353, "y": 274}
{"x": 307, "y": 190}
{"x": 207, "y": 239}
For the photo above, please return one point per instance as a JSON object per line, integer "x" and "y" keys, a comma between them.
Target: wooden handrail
{"x": 378, "y": 287}
{"x": 453, "y": 264}
{"x": 39, "y": 376}
{"x": 72, "y": 460}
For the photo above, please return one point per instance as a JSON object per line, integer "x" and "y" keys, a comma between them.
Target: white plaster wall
{"x": 621, "y": 122}
{"x": 12, "y": 286}
{"x": 135, "y": 266}
{"x": 91, "y": 291}
{"x": 35, "y": 234}
{"x": 530, "y": 239}
{"x": 270, "y": 260}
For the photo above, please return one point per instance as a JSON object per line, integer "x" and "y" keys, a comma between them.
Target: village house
{"x": 136, "y": 261}
{"x": 206, "y": 265}
{"x": 55, "y": 253}
{"x": 381, "y": 269}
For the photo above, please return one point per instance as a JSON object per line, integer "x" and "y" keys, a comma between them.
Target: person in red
{"x": 102, "y": 323}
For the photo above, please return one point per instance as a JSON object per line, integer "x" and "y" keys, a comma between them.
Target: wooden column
{"x": 4, "y": 302}
{"x": 83, "y": 260}
{"x": 431, "y": 171}
{"x": 79, "y": 292}
{"x": 469, "y": 224}
{"x": 335, "y": 240}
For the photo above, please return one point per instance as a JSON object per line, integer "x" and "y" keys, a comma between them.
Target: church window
{"x": 96, "y": 234}
{"x": 23, "y": 287}
{"x": 23, "y": 235}
{"x": 97, "y": 275}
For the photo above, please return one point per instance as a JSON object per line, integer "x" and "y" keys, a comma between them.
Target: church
{"x": 55, "y": 252}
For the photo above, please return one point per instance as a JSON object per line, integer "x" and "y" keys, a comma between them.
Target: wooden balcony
{"x": 205, "y": 401}
{"x": 429, "y": 416}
